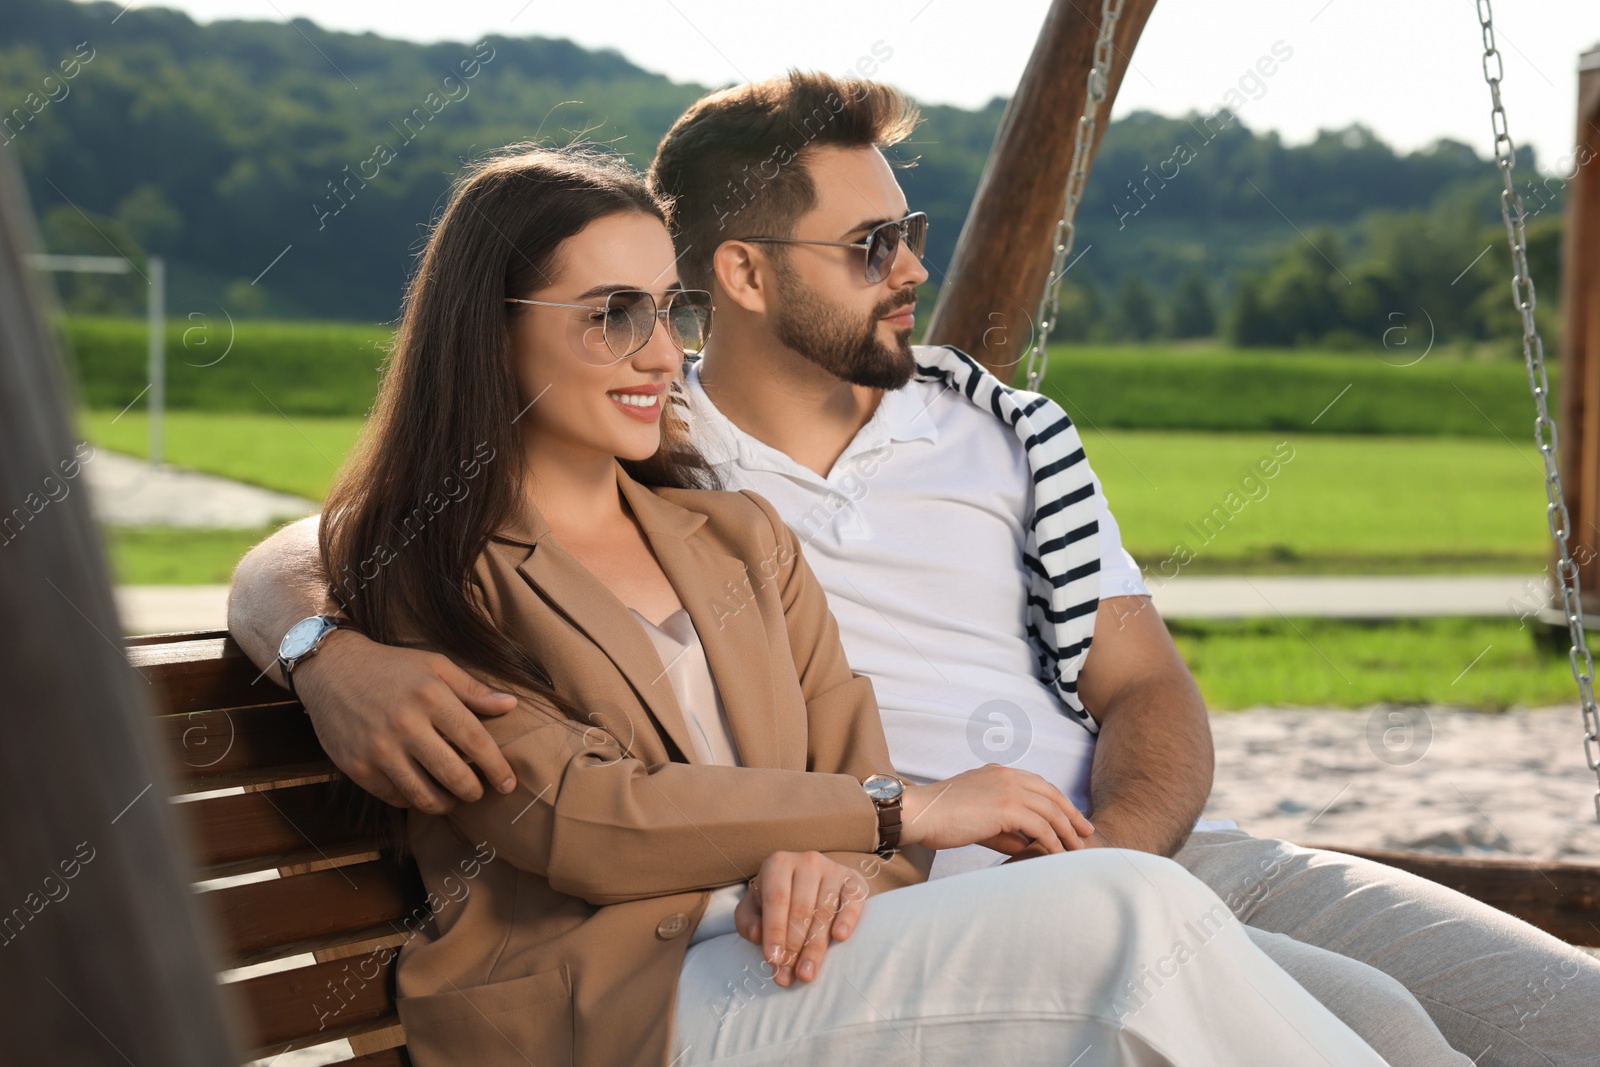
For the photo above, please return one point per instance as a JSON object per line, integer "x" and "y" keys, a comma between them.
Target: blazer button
{"x": 672, "y": 926}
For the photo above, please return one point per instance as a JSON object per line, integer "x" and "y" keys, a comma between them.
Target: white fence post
{"x": 156, "y": 312}
{"x": 158, "y": 353}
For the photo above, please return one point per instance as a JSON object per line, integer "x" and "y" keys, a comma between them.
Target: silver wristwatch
{"x": 886, "y": 792}
{"x": 302, "y": 642}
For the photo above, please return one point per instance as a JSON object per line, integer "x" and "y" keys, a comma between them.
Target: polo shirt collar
{"x": 902, "y": 415}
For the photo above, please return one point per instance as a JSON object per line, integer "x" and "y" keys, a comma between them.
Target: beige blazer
{"x": 562, "y": 912}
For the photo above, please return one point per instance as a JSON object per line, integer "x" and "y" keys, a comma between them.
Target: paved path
{"x": 127, "y": 491}
{"x": 165, "y": 609}
{"x": 159, "y": 609}
{"x": 1340, "y": 597}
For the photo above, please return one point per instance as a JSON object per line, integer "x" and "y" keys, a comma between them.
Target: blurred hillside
{"x": 290, "y": 172}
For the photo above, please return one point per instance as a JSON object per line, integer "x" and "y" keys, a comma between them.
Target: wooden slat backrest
{"x": 288, "y": 826}
{"x": 349, "y": 996}
{"x": 204, "y": 670}
{"x": 241, "y": 746}
{"x": 332, "y": 892}
{"x": 306, "y": 912}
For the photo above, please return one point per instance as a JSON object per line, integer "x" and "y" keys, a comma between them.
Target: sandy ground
{"x": 1414, "y": 778}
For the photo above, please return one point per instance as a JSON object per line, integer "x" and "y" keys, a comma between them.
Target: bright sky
{"x": 1410, "y": 70}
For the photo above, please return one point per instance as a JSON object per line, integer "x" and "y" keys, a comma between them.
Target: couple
{"x": 714, "y": 837}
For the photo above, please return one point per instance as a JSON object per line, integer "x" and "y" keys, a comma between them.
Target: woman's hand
{"x": 999, "y": 807}
{"x": 796, "y": 904}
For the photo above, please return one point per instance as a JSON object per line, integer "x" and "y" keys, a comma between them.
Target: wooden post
{"x": 103, "y": 956}
{"x": 1578, "y": 418}
{"x": 1003, "y": 255}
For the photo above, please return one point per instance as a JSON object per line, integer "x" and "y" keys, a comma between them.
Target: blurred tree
{"x": 259, "y": 142}
{"x": 1191, "y": 313}
{"x": 1545, "y": 237}
{"x": 1249, "y": 324}
{"x": 1136, "y": 318}
{"x": 242, "y": 298}
{"x": 1427, "y": 265}
{"x": 147, "y": 215}
{"x": 1078, "y": 315}
{"x": 69, "y": 231}
{"x": 1302, "y": 291}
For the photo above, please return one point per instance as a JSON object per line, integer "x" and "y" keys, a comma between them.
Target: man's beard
{"x": 839, "y": 343}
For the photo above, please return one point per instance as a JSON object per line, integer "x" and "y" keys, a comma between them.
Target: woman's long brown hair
{"x": 440, "y": 466}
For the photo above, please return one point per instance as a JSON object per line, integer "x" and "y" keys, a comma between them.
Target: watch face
{"x": 302, "y": 637}
{"x": 883, "y": 787}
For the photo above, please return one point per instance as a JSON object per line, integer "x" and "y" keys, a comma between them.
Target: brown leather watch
{"x": 887, "y": 793}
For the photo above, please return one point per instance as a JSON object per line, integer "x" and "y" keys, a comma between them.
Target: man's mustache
{"x": 894, "y": 303}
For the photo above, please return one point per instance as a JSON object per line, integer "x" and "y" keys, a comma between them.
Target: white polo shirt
{"x": 917, "y": 536}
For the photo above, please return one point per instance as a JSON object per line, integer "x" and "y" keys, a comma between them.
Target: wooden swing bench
{"x": 330, "y": 892}
{"x": 333, "y": 894}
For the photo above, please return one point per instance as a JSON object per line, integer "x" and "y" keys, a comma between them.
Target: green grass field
{"x": 158, "y": 555}
{"x": 1431, "y": 474}
{"x": 294, "y": 368}
{"x": 1362, "y": 505}
{"x": 331, "y": 369}
{"x": 1242, "y": 663}
{"x": 1340, "y": 504}
{"x": 1207, "y": 387}
{"x": 291, "y": 453}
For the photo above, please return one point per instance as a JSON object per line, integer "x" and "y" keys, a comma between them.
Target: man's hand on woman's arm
{"x": 397, "y": 721}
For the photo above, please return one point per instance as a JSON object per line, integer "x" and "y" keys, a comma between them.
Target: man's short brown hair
{"x": 733, "y": 165}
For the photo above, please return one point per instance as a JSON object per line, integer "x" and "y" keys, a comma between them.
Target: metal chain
{"x": 1544, "y": 430}
{"x": 1082, "y": 148}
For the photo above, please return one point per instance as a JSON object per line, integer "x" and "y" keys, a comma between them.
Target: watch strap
{"x": 889, "y": 826}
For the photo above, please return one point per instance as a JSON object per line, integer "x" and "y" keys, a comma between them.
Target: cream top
{"x": 684, "y": 659}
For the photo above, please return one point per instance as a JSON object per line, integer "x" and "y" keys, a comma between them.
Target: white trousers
{"x": 1084, "y": 959}
{"x": 1408, "y": 963}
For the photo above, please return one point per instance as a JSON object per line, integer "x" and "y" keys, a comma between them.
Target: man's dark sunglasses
{"x": 882, "y": 243}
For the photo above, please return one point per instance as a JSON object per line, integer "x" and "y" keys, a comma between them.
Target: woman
{"x": 524, "y": 502}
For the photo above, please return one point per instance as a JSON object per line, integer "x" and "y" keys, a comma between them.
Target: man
{"x": 978, "y": 578}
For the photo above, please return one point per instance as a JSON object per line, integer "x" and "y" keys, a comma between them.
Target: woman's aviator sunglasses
{"x": 882, "y": 243}
{"x": 628, "y": 318}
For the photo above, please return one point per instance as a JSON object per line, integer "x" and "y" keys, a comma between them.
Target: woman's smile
{"x": 642, "y": 402}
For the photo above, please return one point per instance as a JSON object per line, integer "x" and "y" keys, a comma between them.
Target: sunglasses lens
{"x": 881, "y": 249}
{"x": 689, "y": 319}
{"x": 917, "y": 233}
{"x": 884, "y": 244}
{"x": 630, "y": 315}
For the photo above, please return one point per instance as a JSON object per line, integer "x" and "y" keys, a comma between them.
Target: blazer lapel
{"x": 581, "y": 598}
{"x": 715, "y": 590}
